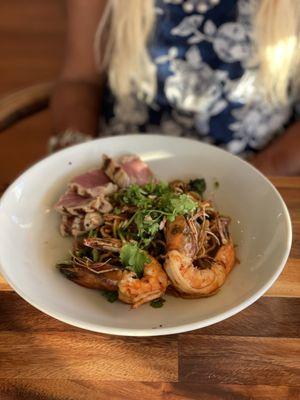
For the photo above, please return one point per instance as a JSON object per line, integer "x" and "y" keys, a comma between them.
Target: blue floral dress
{"x": 206, "y": 77}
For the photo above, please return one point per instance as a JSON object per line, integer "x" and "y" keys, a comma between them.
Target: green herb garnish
{"x": 110, "y": 296}
{"x": 198, "y": 185}
{"x": 180, "y": 205}
{"x": 133, "y": 258}
{"x": 155, "y": 202}
{"x": 157, "y": 303}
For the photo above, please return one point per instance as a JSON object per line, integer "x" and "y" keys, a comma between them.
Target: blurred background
{"x": 31, "y": 35}
{"x": 32, "y": 44}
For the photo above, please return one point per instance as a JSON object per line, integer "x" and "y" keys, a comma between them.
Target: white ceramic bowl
{"x": 30, "y": 244}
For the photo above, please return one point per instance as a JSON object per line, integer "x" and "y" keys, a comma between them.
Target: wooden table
{"x": 253, "y": 355}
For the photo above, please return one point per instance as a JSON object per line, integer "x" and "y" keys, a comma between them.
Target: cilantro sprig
{"x": 155, "y": 203}
{"x": 133, "y": 258}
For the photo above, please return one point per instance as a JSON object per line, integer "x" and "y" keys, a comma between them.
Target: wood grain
{"x": 84, "y": 355}
{"x": 25, "y": 389}
{"x": 45, "y": 358}
{"x": 281, "y": 319}
{"x": 239, "y": 360}
{"x": 292, "y": 200}
{"x": 295, "y": 251}
{"x": 288, "y": 284}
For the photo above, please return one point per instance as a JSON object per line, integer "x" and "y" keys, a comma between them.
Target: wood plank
{"x": 281, "y": 319}
{"x": 288, "y": 284}
{"x": 86, "y": 355}
{"x": 291, "y": 196}
{"x": 295, "y": 251}
{"x": 239, "y": 360}
{"x": 33, "y": 389}
{"x": 18, "y": 315}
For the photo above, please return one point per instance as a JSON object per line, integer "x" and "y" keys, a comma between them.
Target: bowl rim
{"x": 140, "y": 332}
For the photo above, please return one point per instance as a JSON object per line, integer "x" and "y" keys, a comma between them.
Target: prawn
{"x": 132, "y": 290}
{"x": 182, "y": 248}
{"x": 107, "y": 279}
{"x": 151, "y": 286}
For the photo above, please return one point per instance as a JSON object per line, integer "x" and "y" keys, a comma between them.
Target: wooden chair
{"x": 22, "y": 103}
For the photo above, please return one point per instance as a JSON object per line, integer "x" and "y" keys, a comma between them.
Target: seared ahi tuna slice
{"x": 137, "y": 170}
{"x": 72, "y": 203}
{"x": 131, "y": 170}
{"x": 92, "y": 183}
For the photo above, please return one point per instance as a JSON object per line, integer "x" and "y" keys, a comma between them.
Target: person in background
{"x": 225, "y": 72}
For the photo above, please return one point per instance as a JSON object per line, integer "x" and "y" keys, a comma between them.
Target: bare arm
{"x": 283, "y": 156}
{"x": 76, "y": 100}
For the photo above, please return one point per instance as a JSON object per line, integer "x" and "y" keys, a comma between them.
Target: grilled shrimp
{"x": 151, "y": 286}
{"x": 132, "y": 290}
{"x": 99, "y": 280}
{"x": 182, "y": 250}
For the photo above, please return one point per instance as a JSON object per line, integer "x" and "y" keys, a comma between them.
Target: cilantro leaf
{"x": 157, "y": 303}
{"x": 182, "y": 204}
{"x": 110, "y": 296}
{"x": 135, "y": 195}
{"x": 133, "y": 258}
{"x": 198, "y": 185}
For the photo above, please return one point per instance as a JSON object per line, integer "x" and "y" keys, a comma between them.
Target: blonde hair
{"x": 277, "y": 34}
{"x": 128, "y": 24}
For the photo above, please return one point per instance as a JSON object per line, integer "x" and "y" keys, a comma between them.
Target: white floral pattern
{"x": 185, "y": 90}
{"x": 207, "y": 73}
{"x": 255, "y": 126}
{"x": 189, "y": 6}
{"x": 231, "y": 43}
